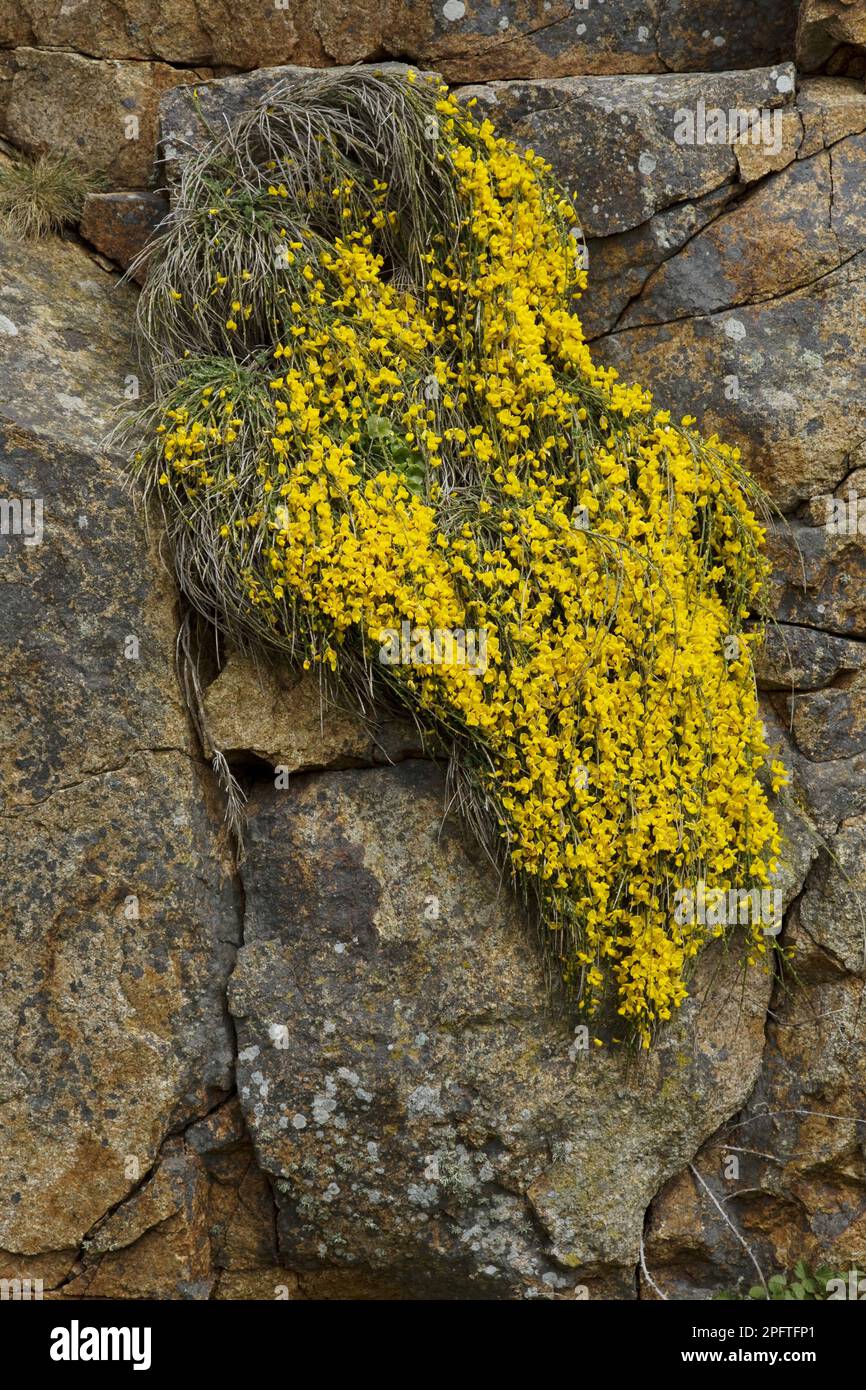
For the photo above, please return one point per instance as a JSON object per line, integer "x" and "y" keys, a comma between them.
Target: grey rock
{"x": 121, "y": 924}
{"x": 803, "y": 658}
{"x": 637, "y": 122}
{"x": 285, "y": 719}
{"x": 819, "y": 578}
{"x": 812, "y": 213}
{"x": 410, "y": 1090}
{"x": 102, "y": 115}
{"x": 467, "y": 42}
{"x": 779, "y": 378}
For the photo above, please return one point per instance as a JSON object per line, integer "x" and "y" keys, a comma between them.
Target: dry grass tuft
{"x": 42, "y": 196}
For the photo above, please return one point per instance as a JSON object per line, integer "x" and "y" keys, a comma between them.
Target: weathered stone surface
{"x": 819, "y": 578}
{"x": 103, "y": 114}
{"x": 831, "y": 34}
{"x": 813, "y": 214}
{"x": 780, "y": 378}
{"x": 285, "y": 719}
{"x": 120, "y": 224}
{"x": 537, "y": 38}
{"x": 241, "y": 1211}
{"x": 50, "y": 1269}
{"x": 621, "y": 265}
{"x": 830, "y": 724}
{"x": 789, "y": 1170}
{"x": 830, "y": 108}
{"x": 7, "y": 68}
{"x": 763, "y": 348}
{"x": 831, "y": 911}
{"x": 121, "y": 931}
{"x": 409, "y": 1089}
{"x": 826, "y": 793}
{"x": 801, "y": 658}
{"x": 649, "y": 163}
{"x": 156, "y": 1244}
{"x": 114, "y": 1024}
{"x": 88, "y": 616}
{"x": 250, "y": 34}
{"x": 65, "y": 333}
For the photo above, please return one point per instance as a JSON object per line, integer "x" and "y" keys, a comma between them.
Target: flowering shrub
{"x": 374, "y": 406}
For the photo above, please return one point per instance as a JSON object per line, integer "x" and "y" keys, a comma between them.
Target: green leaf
{"x": 378, "y": 426}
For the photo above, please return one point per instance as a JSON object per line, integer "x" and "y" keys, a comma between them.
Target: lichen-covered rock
{"x": 65, "y": 344}
{"x": 779, "y": 376}
{"x": 102, "y": 114}
{"x": 121, "y": 931}
{"x": 120, "y": 224}
{"x": 285, "y": 718}
{"x": 467, "y": 39}
{"x": 814, "y": 215}
{"x": 831, "y": 34}
{"x": 651, "y": 160}
{"x": 249, "y": 34}
{"x": 771, "y": 340}
{"x": 805, "y": 659}
{"x": 420, "y": 1106}
{"x": 819, "y": 577}
{"x": 156, "y": 1244}
{"x": 623, "y": 265}
{"x": 789, "y": 1170}
{"x": 241, "y": 1215}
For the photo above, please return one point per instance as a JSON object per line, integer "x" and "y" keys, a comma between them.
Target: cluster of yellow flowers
{"x": 447, "y": 454}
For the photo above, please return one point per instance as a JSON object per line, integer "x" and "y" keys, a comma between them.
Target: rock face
{"x": 284, "y": 719}
{"x": 121, "y": 930}
{"x": 831, "y": 34}
{"x": 119, "y": 224}
{"x": 467, "y": 41}
{"x": 338, "y": 1071}
{"x": 653, "y": 158}
{"x": 76, "y": 74}
{"x": 410, "y": 1090}
{"x": 771, "y": 342}
{"x": 102, "y": 114}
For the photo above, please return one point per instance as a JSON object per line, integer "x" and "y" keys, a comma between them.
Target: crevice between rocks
{"x": 715, "y": 1139}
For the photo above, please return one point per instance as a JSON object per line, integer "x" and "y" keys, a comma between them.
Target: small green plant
{"x": 41, "y": 196}
{"x": 806, "y": 1285}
